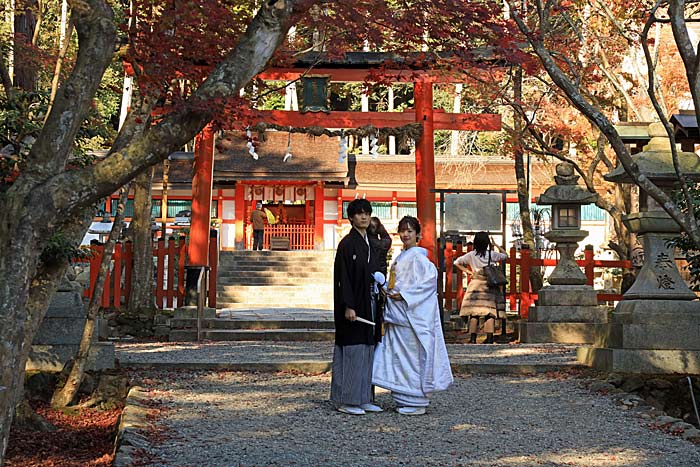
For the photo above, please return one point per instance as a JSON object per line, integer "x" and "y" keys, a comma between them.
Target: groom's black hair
{"x": 358, "y": 206}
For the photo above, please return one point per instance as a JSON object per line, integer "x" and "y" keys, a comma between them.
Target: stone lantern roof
{"x": 656, "y": 162}
{"x": 566, "y": 191}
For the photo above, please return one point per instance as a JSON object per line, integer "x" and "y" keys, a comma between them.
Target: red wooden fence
{"x": 301, "y": 236}
{"x": 519, "y": 291}
{"x": 169, "y": 273}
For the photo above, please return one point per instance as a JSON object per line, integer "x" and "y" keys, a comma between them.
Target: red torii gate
{"x": 423, "y": 113}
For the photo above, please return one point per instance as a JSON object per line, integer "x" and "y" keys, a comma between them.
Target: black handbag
{"x": 494, "y": 274}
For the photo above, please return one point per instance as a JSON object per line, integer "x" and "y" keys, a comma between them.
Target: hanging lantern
{"x": 315, "y": 93}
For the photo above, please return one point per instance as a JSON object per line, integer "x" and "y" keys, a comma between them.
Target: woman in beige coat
{"x": 480, "y": 300}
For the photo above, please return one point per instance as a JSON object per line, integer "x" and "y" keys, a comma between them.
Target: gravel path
{"x": 235, "y": 352}
{"x": 263, "y": 420}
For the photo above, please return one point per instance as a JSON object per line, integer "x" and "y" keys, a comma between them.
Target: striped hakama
{"x": 351, "y": 381}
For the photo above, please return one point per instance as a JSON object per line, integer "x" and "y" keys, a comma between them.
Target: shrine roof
{"x": 313, "y": 158}
{"x": 478, "y": 173}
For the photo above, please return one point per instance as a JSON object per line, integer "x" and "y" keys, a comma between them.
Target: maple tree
{"x": 189, "y": 61}
{"x": 574, "y": 77}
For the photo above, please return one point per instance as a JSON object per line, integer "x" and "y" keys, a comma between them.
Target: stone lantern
{"x": 566, "y": 198}
{"x": 654, "y": 329}
{"x": 567, "y": 310}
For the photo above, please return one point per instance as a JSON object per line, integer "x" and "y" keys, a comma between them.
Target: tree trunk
{"x": 521, "y": 181}
{"x": 64, "y": 396}
{"x": 25, "y": 24}
{"x": 142, "y": 272}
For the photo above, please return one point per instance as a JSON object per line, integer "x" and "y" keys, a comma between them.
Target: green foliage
{"x": 684, "y": 242}
{"x": 59, "y": 249}
{"x": 21, "y": 119}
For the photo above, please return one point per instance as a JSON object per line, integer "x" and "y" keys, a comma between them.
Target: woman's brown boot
{"x": 489, "y": 338}
{"x": 472, "y": 338}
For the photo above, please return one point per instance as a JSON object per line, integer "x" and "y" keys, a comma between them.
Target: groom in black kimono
{"x": 351, "y": 383}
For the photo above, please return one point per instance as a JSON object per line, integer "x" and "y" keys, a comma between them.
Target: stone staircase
{"x": 275, "y": 279}
{"x": 266, "y": 296}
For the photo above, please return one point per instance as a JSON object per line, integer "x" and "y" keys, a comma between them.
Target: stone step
{"x": 273, "y": 302}
{"x": 188, "y": 335}
{"x": 289, "y": 281}
{"x": 267, "y": 324}
{"x": 272, "y": 265}
{"x": 273, "y": 260}
{"x": 266, "y": 282}
{"x": 284, "y": 269}
{"x": 277, "y": 275}
{"x": 310, "y": 288}
{"x": 249, "y": 305}
{"x": 285, "y": 254}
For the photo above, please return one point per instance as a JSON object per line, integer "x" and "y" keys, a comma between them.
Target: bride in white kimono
{"x": 411, "y": 360}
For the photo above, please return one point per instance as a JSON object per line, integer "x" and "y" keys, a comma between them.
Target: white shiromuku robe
{"x": 412, "y": 358}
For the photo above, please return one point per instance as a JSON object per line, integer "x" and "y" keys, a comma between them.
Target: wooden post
{"x": 318, "y": 217}
{"x": 588, "y": 268}
{"x": 198, "y": 254}
{"x": 425, "y": 167}
{"x": 198, "y": 250}
{"x": 448, "y": 290}
{"x": 513, "y": 285}
{"x": 460, "y": 276}
{"x": 213, "y": 266}
{"x": 524, "y": 281}
{"x": 117, "y": 275}
{"x": 160, "y": 271}
{"x": 171, "y": 290}
{"x": 128, "y": 266}
{"x": 239, "y": 241}
{"x": 181, "y": 256}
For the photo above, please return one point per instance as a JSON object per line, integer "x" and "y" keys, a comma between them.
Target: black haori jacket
{"x": 352, "y": 284}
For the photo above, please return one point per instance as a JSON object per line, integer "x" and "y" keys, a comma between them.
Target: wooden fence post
{"x": 448, "y": 290}
{"x": 588, "y": 267}
{"x": 513, "y": 277}
{"x": 128, "y": 267}
{"x": 181, "y": 257}
{"x": 460, "y": 276}
{"x": 171, "y": 289}
{"x": 524, "y": 281}
{"x": 116, "y": 275}
{"x": 160, "y": 271}
{"x": 213, "y": 266}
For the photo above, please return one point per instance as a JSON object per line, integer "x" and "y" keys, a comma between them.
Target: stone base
{"x": 54, "y": 357}
{"x": 567, "y": 295}
{"x": 649, "y": 336}
{"x": 561, "y": 333}
{"x": 568, "y": 314}
{"x": 190, "y": 312}
{"x": 641, "y": 361}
